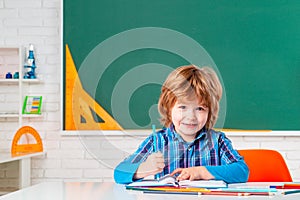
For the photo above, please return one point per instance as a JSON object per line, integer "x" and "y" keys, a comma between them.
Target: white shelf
{"x": 9, "y": 115}
{"x": 31, "y": 81}
{"x": 7, "y": 157}
{"x": 16, "y": 115}
{"x": 31, "y": 115}
{"x": 15, "y": 56}
{"x": 12, "y": 94}
{"x": 24, "y": 166}
{"x": 15, "y": 81}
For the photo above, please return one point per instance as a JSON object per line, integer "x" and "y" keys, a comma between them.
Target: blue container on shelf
{"x": 8, "y": 75}
{"x": 16, "y": 75}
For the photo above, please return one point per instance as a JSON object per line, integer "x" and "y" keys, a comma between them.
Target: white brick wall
{"x": 68, "y": 157}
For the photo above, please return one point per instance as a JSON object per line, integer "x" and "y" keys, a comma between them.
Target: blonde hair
{"x": 186, "y": 83}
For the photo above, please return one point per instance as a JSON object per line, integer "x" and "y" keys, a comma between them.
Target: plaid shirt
{"x": 210, "y": 148}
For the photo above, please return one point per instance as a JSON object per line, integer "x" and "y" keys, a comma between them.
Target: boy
{"x": 188, "y": 146}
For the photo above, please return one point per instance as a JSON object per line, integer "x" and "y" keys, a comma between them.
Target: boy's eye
{"x": 182, "y": 107}
{"x": 200, "y": 108}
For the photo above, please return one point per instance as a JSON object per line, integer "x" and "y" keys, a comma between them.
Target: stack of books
{"x": 169, "y": 185}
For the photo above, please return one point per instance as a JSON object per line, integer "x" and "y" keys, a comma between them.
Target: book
{"x": 32, "y": 105}
{"x": 169, "y": 180}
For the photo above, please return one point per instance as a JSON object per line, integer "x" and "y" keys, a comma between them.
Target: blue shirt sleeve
{"x": 236, "y": 172}
{"x": 124, "y": 172}
{"x": 232, "y": 168}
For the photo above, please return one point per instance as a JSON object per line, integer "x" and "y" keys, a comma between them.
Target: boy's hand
{"x": 193, "y": 173}
{"x": 152, "y": 165}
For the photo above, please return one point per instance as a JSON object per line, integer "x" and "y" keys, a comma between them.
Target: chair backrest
{"x": 266, "y": 166}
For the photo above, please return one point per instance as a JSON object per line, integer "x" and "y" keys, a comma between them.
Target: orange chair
{"x": 266, "y": 166}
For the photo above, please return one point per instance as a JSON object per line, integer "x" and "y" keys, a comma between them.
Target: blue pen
{"x": 154, "y": 139}
{"x": 156, "y": 176}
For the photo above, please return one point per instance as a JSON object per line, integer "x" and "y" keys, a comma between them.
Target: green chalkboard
{"x": 123, "y": 51}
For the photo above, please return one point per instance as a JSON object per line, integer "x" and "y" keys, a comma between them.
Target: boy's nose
{"x": 191, "y": 114}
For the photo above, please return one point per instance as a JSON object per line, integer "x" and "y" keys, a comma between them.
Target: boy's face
{"x": 189, "y": 117}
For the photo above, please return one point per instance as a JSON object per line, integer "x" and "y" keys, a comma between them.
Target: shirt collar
{"x": 176, "y": 136}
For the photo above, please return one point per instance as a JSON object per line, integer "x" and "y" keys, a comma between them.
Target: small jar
{"x": 8, "y": 75}
{"x": 16, "y": 75}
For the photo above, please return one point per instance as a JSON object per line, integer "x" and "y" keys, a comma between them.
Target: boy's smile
{"x": 188, "y": 118}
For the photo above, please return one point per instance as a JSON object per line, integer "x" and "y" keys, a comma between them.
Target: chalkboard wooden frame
{"x": 255, "y": 46}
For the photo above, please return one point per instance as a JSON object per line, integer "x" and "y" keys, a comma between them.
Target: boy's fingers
{"x": 158, "y": 155}
{"x": 178, "y": 170}
{"x": 184, "y": 175}
{"x": 161, "y": 165}
{"x": 192, "y": 178}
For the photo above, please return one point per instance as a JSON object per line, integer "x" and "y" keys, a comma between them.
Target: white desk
{"x": 24, "y": 166}
{"x": 111, "y": 191}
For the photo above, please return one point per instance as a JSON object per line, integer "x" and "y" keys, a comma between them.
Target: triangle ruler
{"x": 80, "y": 107}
